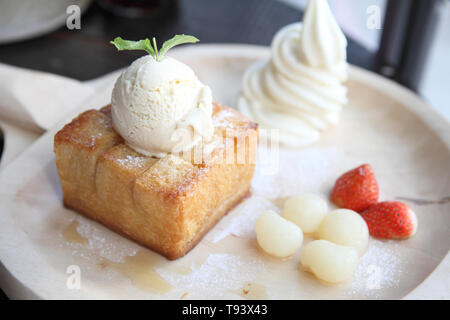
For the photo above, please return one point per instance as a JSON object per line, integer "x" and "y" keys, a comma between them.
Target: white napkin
{"x": 36, "y": 100}
{"x": 32, "y": 102}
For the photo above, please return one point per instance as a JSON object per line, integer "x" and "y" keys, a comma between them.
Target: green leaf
{"x": 175, "y": 41}
{"x": 145, "y": 44}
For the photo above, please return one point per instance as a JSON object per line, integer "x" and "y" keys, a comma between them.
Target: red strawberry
{"x": 356, "y": 189}
{"x": 390, "y": 220}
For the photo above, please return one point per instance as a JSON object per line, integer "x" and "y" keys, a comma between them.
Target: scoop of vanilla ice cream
{"x": 160, "y": 107}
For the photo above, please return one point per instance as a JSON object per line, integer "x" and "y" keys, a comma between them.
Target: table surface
{"x": 86, "y": 53}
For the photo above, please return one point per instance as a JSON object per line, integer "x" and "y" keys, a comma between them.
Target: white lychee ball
{"x": 347, "y": 228}
{"x": 329, "y": 262}
{"x": 306, "y": 211}
{"x": 277, "y": 236}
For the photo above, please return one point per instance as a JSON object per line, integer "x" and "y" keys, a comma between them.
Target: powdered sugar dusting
{"x": 102, "y": 243}
{"x": 284, "y": 173}
{"x": 225, "y": 271}
{"x": 380, "y": 268}
{"x": 241, "y": 221}
{"x": 133, "y": 162}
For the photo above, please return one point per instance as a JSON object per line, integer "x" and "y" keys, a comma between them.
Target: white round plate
{"x": 51, "y": 252}
{"x": 21, "y": 20}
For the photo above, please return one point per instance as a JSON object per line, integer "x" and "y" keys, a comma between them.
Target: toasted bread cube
{"x": 166, "y": 204}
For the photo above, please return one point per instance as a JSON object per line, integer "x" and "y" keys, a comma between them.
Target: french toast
{"x": 166, "y": 204}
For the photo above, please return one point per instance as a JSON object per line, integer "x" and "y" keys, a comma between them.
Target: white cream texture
{"x": 300, "y": 89}
{"x": 161, "y": 107}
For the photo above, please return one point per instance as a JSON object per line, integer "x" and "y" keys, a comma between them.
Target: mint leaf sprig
{"x": 146, "y": 45}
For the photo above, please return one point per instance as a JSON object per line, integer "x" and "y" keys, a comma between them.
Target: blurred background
{"x": 405, "y": 40}
{"x": 410, "y": 44}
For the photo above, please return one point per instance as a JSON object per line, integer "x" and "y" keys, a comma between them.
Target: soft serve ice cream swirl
{"x": 300, "y": 89}
{"x": 160, "y": 107}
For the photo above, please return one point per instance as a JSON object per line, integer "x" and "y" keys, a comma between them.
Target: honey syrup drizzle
{"x": 138, "y": 268}
{"x": 70, "y": 234}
